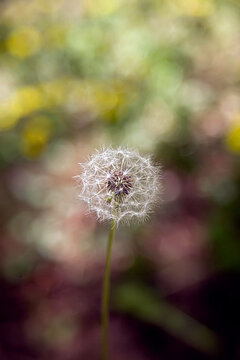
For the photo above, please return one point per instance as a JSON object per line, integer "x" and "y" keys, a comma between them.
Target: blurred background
{"x": 159, "y": 76}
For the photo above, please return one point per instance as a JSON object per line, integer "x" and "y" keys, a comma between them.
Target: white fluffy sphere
{"x": 119, "y": 184}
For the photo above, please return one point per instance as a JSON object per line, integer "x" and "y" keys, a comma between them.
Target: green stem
{"x": 105, "y": 296}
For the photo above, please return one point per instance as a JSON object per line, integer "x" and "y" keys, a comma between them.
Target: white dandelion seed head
{"x": 119, "y": 184}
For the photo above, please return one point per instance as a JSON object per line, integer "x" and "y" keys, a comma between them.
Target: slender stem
{"x": 105, "y": 296}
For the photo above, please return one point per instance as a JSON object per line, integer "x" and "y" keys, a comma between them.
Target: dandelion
{"x": 118, "y": 185}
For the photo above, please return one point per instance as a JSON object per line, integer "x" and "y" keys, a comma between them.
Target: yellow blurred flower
{"x": 26, "y": 100}
{"x": 7, "y": 118}
{"x": 193, "y": 7}
{"x": 101, "y": 7}
{"x": 107, "y": 102}
{"x": 54, "y": 92}
{"x": 24, "y": 41}
{"x": 55, "y": 35}
{"x": 49, "y": 6}
{"x": 35, "y": 136}
{"x": 232, "y": 139}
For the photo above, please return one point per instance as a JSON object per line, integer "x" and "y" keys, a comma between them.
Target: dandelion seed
{"x": 119, "y": 184}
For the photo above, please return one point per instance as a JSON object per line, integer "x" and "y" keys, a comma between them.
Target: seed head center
{"x": 119, "y": 183}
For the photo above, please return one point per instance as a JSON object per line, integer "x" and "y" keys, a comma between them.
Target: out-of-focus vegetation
{"x": 159, "y": 76}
